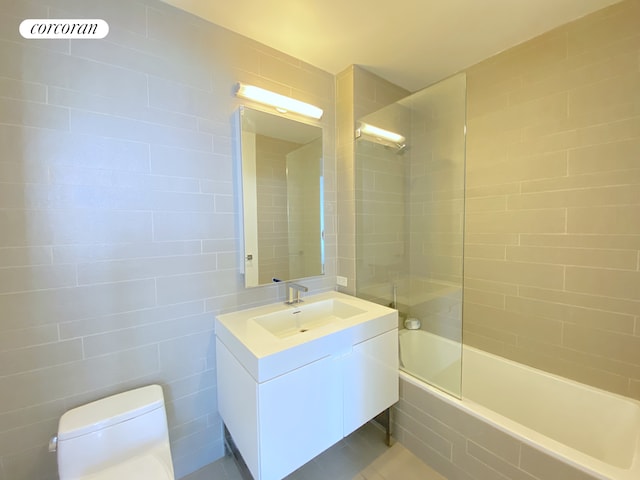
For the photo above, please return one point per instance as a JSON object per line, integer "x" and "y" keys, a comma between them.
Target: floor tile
{"x": 362, "y": 455}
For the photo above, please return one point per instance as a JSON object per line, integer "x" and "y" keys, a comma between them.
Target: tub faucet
{"x": 293, "y": 295}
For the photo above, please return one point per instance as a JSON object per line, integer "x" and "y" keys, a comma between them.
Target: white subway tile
{"x": 117, "y": 251}
{"x": 172, "y": 226}
{"x": 27, "y": 337}
{"x": 55, "y": 147}
{"x": 190, "y": 163}
{"x": 21, "y": 360}
{"x": 137, "y": 268}
{"x": 185, "y": 288}
{"x": 19, "y": 90}
{"x": 107, "y": 126}
{"x": 45, "y": 307}
{"x": 32, "y": 114}
{"x": 155, "y": 332}
{"x": 38, "y": 277}
{"x": 121, "y": 13}
{"x": 118, "y": 107}
{"x": 145, "y": 316}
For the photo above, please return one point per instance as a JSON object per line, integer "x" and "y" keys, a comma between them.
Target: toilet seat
{"x": 142, "y": 467}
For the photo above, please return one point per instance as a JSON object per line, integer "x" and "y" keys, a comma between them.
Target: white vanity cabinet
{"x": 284, "y": 406}
{"x": 370, "y": 379}
{"x": 281, "y": 424}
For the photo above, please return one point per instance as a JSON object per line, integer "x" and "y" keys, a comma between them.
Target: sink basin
{"x": 303, "y": 318}
{"x": 271, "y": 340}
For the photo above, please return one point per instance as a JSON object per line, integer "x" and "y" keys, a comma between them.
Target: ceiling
{"x": 411, "y": 43}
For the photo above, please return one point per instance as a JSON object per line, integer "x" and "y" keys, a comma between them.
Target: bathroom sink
{"x": 273, "y": 339}
{"x": 304, "y": 318}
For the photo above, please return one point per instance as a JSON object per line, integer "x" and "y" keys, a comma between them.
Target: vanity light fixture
{"x": 281, "y": 103}
{"x": 379, "y": 133}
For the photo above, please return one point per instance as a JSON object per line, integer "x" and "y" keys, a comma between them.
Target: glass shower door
{"x": 410, "y": 224}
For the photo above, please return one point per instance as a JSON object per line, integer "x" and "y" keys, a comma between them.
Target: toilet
{"x": 124, "y": 436}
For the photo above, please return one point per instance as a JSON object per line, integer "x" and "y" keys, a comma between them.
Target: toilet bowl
{"x": 124, "y": 436}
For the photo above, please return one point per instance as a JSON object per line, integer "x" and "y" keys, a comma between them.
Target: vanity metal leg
{"x": 388, "y": 439}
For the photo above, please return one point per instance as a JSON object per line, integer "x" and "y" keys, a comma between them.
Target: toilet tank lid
{"x": 109, "y": 411}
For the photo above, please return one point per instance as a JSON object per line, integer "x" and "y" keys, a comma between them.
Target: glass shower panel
{"x": 410, "y": 221}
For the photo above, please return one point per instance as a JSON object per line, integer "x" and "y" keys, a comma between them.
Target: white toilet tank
{"x": 119, "y": 437}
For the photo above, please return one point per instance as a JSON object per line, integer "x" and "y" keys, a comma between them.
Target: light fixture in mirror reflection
{"x": 282, "y": 197}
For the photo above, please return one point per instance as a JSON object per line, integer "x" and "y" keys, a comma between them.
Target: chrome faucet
{"x": 293, "y": 295}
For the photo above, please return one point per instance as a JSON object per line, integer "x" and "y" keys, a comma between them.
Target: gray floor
{"x": 363, "y": 455}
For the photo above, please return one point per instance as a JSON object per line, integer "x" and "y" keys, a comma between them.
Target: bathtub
{"x": 585, "y": 428}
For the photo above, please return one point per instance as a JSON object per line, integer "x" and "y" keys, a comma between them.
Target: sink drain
{"x": 302, "y": 330}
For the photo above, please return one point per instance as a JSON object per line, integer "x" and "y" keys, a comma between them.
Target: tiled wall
{"x": 117, "y": 213}
{"x": 552, "y": 228}
{"x": 117, "y": 216}
{"x": 381, "y": 219}
{"x": 358, "y": 93}
{"x": 287, "y": 185}
{"x": 271, "y": 189}
{"x": 345, "y": 169}
{"x": 437, "y": 180}
{"x": 552, "y": 241}
{"x": 462, "y": 447}
{"x": 436, "y": 206}
{"x": 304, "y": 170}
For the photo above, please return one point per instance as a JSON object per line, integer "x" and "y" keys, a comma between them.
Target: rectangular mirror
{"x": 282, "y": 198}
